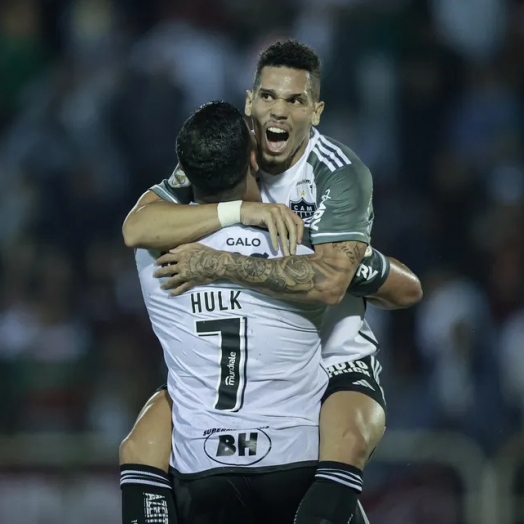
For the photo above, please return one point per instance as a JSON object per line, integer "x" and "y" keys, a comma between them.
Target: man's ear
{"x": 252, "y": 193}
{"x": 317, "y": 112}
{"x": 253, "y": 162}
{"x": 249, "y": 102}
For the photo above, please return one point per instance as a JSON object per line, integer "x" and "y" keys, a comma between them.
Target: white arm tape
{"x": 229, "y": 213}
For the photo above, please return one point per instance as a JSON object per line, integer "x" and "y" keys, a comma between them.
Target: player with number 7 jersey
{"x": 244, "y": 369}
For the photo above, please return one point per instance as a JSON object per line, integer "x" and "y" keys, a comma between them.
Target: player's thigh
{"x": 149, "y": 441}
{"x": 353, "y": 417}
{"x": 278, "y": 494}
{"x": 217, "y": 499}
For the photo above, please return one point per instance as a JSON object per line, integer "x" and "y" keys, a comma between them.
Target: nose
{"x": 279, "y": 110}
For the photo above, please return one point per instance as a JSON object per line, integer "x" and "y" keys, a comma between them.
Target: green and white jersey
{"x": 329, "y": 188}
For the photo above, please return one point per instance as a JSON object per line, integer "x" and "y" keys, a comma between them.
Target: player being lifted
{"x": 326, "y": 183}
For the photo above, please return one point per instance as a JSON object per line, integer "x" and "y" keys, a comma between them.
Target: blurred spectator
{"x": 149, "y": 150}
{"x": 22, "y": 52}
{"x": 512, "y": 364}
{"x": 456, "y": 336}
{"x": 475, "y": 28}
{"x": 487, "y": 120}
{"x": 44, "y": 346}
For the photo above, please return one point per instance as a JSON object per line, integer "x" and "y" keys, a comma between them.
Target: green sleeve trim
{"x": 162, "y": 192}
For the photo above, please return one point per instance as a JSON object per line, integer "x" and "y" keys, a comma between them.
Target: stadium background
{"x": 429, "y": 94}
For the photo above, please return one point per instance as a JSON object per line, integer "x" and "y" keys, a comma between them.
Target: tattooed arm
{"x": 322, "y": 277}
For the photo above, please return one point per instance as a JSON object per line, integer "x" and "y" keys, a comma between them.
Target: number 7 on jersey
{"x": 232, "y": 341}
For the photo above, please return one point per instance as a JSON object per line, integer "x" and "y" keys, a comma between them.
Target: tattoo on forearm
{"x": 353, "y": 250}
{"x": 209, "y": 263}
{"x": 294, "y": 274}
{"x": 290, "y": 276}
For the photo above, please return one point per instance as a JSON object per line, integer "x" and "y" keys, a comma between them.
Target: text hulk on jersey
{"x": 284, "y": 105}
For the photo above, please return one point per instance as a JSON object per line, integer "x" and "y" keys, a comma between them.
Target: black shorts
{"x": 243, "y": 498}
{"x": 361, "y": 375}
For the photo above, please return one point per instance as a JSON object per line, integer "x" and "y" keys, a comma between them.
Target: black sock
{"x": 147, "y": 495}
{"x": 333, "y": 496}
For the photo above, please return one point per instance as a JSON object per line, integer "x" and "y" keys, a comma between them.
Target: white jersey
{"x": 244, "y": 370}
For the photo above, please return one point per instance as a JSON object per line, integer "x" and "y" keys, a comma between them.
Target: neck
{"x": 224, "y": 196}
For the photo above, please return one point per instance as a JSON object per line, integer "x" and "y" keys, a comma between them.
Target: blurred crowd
{"x": 429, "y": 93}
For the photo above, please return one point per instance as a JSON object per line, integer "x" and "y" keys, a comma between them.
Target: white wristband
{"x": 229, "y": 213}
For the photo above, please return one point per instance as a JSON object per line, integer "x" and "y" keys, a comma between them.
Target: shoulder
{"x": 176, "y": 188}
{"x": 334, "y": 162}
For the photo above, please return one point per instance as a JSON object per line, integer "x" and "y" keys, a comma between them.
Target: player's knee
{"x": 149, "y": 442}
{"x": 129, "y": 452}
{"x": 351, "y": 428}
{"x": 136, "y": 450}
{"x": 351, "y": 448}
{"x": 356, "y": 446}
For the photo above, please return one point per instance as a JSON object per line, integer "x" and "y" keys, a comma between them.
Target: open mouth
{"x": 276, "y": 139}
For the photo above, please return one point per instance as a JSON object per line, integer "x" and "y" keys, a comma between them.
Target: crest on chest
{"x": 303, "y": 202}
{"x": 303, "y": 208}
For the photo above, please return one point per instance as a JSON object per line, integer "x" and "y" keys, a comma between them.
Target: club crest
{"x": 303, "y": 208}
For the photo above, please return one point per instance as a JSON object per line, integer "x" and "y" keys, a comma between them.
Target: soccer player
{"x": 330, "y": 188}
{"x": 244, "y": 369}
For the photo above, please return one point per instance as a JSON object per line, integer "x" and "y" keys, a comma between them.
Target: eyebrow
{"x": 272, "y": 92}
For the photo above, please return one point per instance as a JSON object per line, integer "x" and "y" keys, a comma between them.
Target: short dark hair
{"x": 213, "y": 148}
{"x": 293, "y": 54}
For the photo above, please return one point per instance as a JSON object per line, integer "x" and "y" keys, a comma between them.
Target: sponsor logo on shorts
{"x": 237, "y": 447}
{"x": 356, "y": 366}
{"x": 364, "y": 383}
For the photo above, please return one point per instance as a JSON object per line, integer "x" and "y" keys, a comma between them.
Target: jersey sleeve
{"x": 344, "y": 206}
{"x": 175, "y": 189}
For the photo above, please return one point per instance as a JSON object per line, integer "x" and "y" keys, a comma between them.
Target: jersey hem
{"x": 241, "y": 470}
